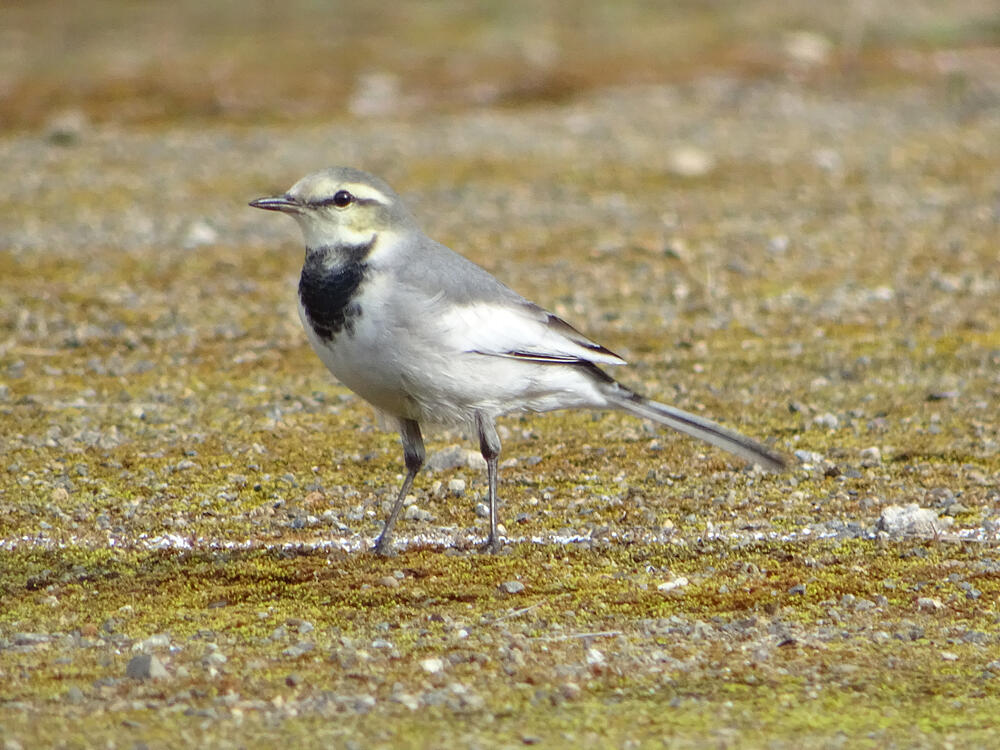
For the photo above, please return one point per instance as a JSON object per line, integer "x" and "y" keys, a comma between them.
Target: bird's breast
{"x": 329, "y": 297}
{"x": 355, "y": 336}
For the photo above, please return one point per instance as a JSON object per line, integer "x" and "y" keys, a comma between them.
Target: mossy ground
{"x": 175, "y": 462}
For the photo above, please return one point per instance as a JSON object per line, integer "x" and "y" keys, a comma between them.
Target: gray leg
{"x": 489, "y": 445}
{"x": 413, "y": 457}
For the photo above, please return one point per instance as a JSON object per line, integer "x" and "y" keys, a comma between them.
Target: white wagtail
{"x": 425, "y": 335}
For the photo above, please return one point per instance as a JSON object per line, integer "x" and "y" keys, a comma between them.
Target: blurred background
{"x": 163, "y": 62}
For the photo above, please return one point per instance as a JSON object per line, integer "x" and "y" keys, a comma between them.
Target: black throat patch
{"x": 329, "y": 295}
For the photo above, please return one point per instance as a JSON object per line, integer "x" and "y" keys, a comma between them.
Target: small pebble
{"x": 690, "y": 161}
{"x": 512, "y": 587}
{"x": 670, "y": 587}
{"x": 871, "y": 456}
{"x": 455, "y": 457}
{"x": 809, "y": 457}
{"x": 570, "y": 691}
{"x": 416, "y": 513}
{"x": 594, "y": 657}
{"x": 145, "y": 667}
{"x": 911, "y": 519}
{"x": 66, "y": 128}
{"x": 410, "y": 701}
{"x": 299, "y": 649}
{"x": 214, "y": 657}
{"x": 941, "y": 395}
{"x": 199, "y": 233}
{"x": 807, "y": 48}
{"x": 157, "y": 641}
{"x": 828, "y": 420}
{"x": 432, "y": 665}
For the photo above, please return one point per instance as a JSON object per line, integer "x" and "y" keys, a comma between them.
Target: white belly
{"x": 401, "y": 369}
{"x": 364, "y": 362}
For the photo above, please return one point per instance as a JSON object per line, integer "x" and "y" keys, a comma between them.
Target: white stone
{"x": 668, "y": 587}
{"x": 455, "y": 457}
{"x": 690, "y": 161}
{"x": 911, "y": 519}
{"x": 432, "y": 665}
{"x": 828, "y": 420}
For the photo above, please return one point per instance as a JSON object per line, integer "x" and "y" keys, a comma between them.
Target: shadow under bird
{"x": 427, "y": 336}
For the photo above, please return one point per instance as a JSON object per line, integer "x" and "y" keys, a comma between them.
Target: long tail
{"x": 697, "y": 427}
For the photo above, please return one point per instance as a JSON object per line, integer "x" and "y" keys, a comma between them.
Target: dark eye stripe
{"x": 340, "y": 199}
{"x": 354, "y": 199}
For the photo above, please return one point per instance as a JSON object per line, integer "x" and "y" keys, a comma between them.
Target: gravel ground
{"x": 185, "y": 495}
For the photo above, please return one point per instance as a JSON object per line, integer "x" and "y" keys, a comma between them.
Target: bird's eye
{"x": 342, "y": 199}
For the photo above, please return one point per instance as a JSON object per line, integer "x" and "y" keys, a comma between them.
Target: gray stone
{"x": 154, "y": 642}
{"x": 929, "y": 604}
{"x": 871, "y": 456}
{"x": 911, "y": 520}
{"x": 31, "y": 639}
{"x": 828, "y": 420}
{"x": 416, "y": 513}
{"x": 455, "y": 457}
{"x": 408, "y": 700}
{"x": 512, "y": 587}
{"x": 213, "y": 657}
{"x": 146, "y": 667}
{"x": 66, "y": 128}
{"x": 299, "y": 649}
{"x": 809, "y": 457}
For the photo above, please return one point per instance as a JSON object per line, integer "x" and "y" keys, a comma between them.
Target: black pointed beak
{"x": 278, "y": 203}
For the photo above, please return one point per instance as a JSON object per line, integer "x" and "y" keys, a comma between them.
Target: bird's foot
{"x": 383, "y": 547}
{"x": 491, "y": 546}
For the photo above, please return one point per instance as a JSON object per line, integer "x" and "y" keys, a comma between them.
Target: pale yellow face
{"x": 343, "y": 207}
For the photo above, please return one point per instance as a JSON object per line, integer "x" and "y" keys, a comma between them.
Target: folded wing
{"x": 522, "y": 331}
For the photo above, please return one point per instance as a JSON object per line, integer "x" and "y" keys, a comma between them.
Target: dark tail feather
{"x": 697, "y": 427}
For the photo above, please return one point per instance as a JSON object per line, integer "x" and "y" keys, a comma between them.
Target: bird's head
{"x": 342, "y": 208}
